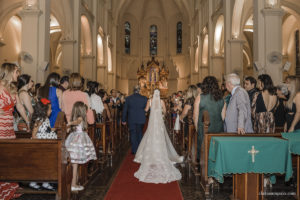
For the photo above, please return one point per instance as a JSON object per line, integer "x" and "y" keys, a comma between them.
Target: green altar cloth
{"x": 294, "y": 141}
{"x": 232, "y": 155}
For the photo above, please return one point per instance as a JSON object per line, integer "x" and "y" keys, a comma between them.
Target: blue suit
{"x": 134, "y": 108}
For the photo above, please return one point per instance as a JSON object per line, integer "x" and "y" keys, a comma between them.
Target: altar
{"x": 153, "y": 77}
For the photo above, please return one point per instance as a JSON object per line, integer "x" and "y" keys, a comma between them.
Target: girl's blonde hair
{"x": 79, "y": 110}
{"x": 6, "y": 73}
{"x": 294, "y": 89}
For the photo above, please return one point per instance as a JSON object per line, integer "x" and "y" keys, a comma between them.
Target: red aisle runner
{"x": 127, "y": 187}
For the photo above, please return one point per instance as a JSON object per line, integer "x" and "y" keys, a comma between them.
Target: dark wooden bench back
{"x": 36, "y": 160}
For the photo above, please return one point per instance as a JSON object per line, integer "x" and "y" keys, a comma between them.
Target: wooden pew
{"x": 36, "y": 160}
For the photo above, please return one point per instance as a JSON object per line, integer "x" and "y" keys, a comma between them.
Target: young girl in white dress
{"x": 156, "y": 152}
{"x": 78, "y": 143}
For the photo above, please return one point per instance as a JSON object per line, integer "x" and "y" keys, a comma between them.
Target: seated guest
{"x": 210, "y": 100}
{"x": 293, "y": 106}
{"x": 74, "y": 94}
{"x": 51, "y": 91}
{"x": 250, "y": 87}
{"x": 41, "y": 129}
{"x": 64, "y": 83}
{"x": 280, "y": 112}
{"x": 105, "y": 100}
{"x": 95, "y": 100}
{"x": 25, "y": 83}
{"x": 238, "y": 112}
{"x": 264, "y": 105}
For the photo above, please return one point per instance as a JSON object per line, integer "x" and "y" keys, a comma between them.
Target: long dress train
{"x": 156, "y": 152}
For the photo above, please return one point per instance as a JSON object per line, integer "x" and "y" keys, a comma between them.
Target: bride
{"x": 156, "y": 152}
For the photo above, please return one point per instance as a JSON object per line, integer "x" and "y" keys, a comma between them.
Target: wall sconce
{"x": 31, "y": 4}
{"x": 269, "y": 4}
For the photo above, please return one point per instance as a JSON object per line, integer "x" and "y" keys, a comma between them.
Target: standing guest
{"x": 134, "y": 108}
{"x": 250, "y": 87}
{"x": 25, "y": 83}
{"x": 187, "y": 114}
{"x": 9, "y": 73}
{"x": 280, "y": 112}
{"x": 64, "y": 83}
{"x": 290, "y": 78}
{"x": 78, "y": 143}
{"x": 293, "y": 106}
{"x": 95, "y": 100}
{"x": 74, "y": 94}
{"x": 238, "y": 113}
{"x": 210, "y": 100}
{"x": 105, "y": 100}
{"x": 264, "y": 105}
{"x": 34, "y": 91}
{"x": 51, "y": 91}
{"x": 199, "y": 90}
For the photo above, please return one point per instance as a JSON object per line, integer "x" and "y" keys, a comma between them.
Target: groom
{"x": 135, "y": 108}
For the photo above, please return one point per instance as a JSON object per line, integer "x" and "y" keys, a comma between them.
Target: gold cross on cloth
{"x": 253, "y": 152}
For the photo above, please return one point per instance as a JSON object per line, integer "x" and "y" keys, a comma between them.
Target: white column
{"x": 273, "y": 42}
{"x": 235, "y": 62}
{"x": 87, "y": 70}
{"x": 67, "y": 47}
{"x": 36, "y": 38}
{"x": 210, "y": 37}
{"x": 217, "y": 61}
{"x": 94, "y": 39}
{"x": 267, "y": 39}
{"x": 76, "y": 35}
{"x": 227, "y": 34}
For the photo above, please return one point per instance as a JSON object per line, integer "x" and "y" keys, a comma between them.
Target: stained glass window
{"x": 127, "y": 37}
{"x": 153, "y": 40}
{"x": 179, "y": 37}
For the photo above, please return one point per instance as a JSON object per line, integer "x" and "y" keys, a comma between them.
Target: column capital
{"x": 67, "y": 41}
{"x": 30, "y": 12}
{"x": 87, "y": 57}
{"x": 236, "y": 41}
{"x": 273, "y": 12}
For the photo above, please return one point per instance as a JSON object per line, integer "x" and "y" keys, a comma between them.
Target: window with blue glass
{"x": 127, "y": 37}
{"x": 153, "y": 40}
{"x": 179, "y": 37}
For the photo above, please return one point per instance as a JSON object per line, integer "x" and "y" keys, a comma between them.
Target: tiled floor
{"x": 190, "y": 186}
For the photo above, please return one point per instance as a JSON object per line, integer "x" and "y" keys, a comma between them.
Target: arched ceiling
{"x": 143, "y": 9}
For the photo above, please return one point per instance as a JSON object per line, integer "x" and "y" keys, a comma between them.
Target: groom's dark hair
{"x": 136, "y": 89}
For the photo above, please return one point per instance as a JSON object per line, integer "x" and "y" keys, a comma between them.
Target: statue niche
{"x": 153, "y": 77}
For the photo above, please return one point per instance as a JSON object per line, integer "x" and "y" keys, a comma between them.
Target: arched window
{"x": 153, "y": 40}
{"x": 127, "y": 37}
{"x": 100, "y": 58}
{"x": 179, "y": 37}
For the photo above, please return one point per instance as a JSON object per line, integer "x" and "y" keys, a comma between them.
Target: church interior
{"x": 157, "y": 44}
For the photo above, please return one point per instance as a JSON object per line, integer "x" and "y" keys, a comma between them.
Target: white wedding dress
{"x": 156, "y": 152}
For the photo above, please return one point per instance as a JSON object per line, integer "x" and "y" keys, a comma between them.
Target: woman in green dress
{"x": 210, "y": 100}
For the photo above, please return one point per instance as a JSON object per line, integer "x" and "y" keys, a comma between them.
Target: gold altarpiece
{"x": 153, "y": 77}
